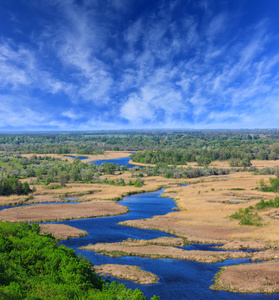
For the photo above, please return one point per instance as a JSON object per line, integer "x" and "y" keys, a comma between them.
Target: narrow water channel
{"x": 118, "y": 161}
{"x": 179, "y": 279}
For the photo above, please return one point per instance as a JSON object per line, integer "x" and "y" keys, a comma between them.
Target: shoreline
{"x": 189, "y": 223}
{"x": 248, "y": 278}
{"x": 126, "y": 272}
{"x": 162, "y": 248}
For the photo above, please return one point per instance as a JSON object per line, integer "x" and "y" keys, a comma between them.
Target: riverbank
{"x": 61, "y": 231}
{"x": 127, "y": 272}
{"x": 98, "y": 200}
{"x": 136, "y": 248}
{"x": 249, "y": 278}
{"x": 206, "y": 207}
{"x": 219, "y": 164}
{"x": 106, "y": 155}
{"x": 61, "y": 212}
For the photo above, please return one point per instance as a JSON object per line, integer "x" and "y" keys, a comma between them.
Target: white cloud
{"x": 136, "y": 110}
{"x": 158, "y": 70}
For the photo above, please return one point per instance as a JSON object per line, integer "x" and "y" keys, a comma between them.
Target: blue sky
{"x": 130, "y": 64}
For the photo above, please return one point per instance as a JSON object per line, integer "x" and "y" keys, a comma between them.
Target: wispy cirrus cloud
{"x": 113, "y": 64}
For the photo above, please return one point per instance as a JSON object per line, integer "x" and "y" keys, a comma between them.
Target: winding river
{"x": 118, "y": 161}
{"x": 179, "y": 279}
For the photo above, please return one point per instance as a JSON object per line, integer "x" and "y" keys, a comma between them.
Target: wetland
{"x": 166, "y": 228}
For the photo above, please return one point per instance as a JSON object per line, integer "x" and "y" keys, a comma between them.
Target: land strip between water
{"x": 205, "y": 206}
{"x": 127, "y": 272}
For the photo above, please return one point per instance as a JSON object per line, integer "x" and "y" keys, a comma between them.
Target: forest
{"x": 34, "y": 266}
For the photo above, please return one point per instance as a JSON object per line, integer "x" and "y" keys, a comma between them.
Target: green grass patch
{"x": 268, "y": 204}
{"x": 246, "y": 217}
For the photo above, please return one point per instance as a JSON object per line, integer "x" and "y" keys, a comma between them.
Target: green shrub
{"x": 33, "y": 266}
{"x": 246, "y": 217}
{"x": 138, "y": 183}
{"x": 268, "y": 204}
{"x": 12, "y": 185}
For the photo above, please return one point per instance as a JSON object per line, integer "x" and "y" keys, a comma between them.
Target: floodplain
{"x": 227, "y": 204}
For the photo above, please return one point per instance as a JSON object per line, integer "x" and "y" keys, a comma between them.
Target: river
{"x": 118, "y": 161}
{"x": 179, "y": 279}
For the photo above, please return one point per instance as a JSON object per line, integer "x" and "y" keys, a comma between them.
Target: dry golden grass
{"x": 59, "y": 212}
{"x": 243, "y": 245}
{"x": 189, "y": 164}
{"x": 265, "y": 163}
{"x": 270, "y": 254}
{"x": 93, "y": 196}
{"x": 161, "y": 241}
{"x": 221, "y": 164}
{"x": 13, "y": 200}
{"x": 207, "y": 207}
{"x": 249, "y": 278}
{"x": 127, "y": 248}
{"x": 260, "y": 164}
{"x": 61, "y": 231}
{"x": 105, "y": 191}
{"x": 132, "y": 273}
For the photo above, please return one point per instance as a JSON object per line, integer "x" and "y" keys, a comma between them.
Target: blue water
{"x": 79, "y": 157}
{"x": 179, "y": 279}
{"x": 119, "y": 161}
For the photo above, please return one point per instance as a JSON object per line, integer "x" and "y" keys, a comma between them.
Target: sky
{"x": 138, "y": 64}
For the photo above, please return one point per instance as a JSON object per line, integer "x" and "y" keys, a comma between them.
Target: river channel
{"x": 179, "y": 279}
{"x": 124, "y": 161}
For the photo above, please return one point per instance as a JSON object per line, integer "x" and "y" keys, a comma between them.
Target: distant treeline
{"x": 258, "y": 142}
{"x": 239, "y": 155}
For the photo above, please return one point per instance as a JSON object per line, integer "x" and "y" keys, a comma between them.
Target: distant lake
{"x": 79, "y": 157}
{"x": 118, "y": 161}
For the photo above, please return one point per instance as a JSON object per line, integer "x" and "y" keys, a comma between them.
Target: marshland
{"x": 209, "y": 203}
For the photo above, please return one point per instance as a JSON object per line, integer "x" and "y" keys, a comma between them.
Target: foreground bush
{"x": 246, "y": 217}
{"x": 35, "y": 267}
{"x": 12, "y": 185}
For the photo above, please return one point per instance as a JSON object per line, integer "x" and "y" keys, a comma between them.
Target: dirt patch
{"x": 61, "y": 231}
{"x": 249, "y": 278}
{"x": 59, "y": 212}
{"x": 132, "y": 273}
{"x": 155, "y": 251}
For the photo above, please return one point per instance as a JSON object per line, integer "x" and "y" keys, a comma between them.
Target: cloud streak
{"x": 124, "y": 64}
